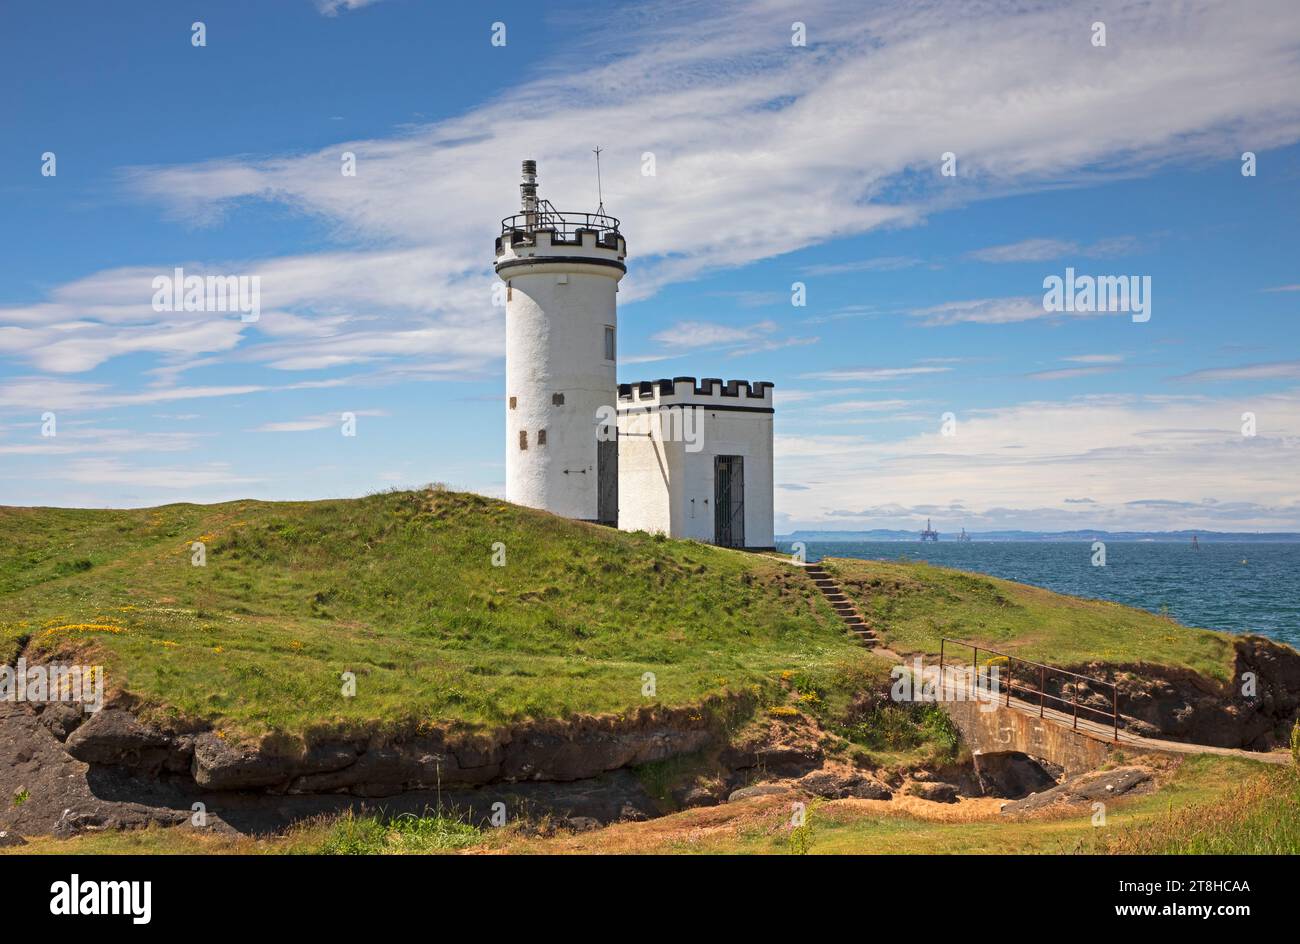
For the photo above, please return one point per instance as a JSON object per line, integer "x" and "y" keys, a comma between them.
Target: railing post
{"x": 1042, "y": 687}
{"x": 942, "y": 686}
{"x": 1010, "y": 675}
{"x": 975, "y": 664}
{"x": 1114, "y": 701}
{"x": 1075, "y": 699}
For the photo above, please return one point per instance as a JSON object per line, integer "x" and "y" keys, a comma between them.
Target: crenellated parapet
{"x": 711, "y": 392}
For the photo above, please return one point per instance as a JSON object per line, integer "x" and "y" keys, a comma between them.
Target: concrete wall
{"x": 1006, "y": 729}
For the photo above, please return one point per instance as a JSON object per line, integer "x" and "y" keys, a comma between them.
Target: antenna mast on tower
{"x": 600, "y": 195}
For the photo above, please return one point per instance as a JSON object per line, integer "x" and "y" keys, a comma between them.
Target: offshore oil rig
{"x": 929, "y": 534}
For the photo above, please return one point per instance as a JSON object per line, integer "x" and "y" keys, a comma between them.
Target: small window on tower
{"x": 510, "y": 292}
{"x": 514, "y": 402}
{"x": 541, "y": 437}
{"x": 523, "y": 439}
{"x": 609, "y": 343}
{"x": 557, "y": 399}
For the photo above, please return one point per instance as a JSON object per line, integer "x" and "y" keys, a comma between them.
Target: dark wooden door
{"x": 729, "y": 501}
{"x": 607, "y": 481}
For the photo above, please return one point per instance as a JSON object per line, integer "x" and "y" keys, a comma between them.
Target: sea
{"x": 1237, "y": 586}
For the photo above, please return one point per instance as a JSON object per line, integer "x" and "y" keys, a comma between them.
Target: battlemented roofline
{"x": 757, "y": 394}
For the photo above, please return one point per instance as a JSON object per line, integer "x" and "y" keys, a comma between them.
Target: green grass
{"x": 399, "y": 589}
{"x": 1212, "y": 804}
{"x": 345, "y": 834}
{"x": 913, "y": 604}
{"x": 351, "y": 834}
{"x": 1260, "y": 816}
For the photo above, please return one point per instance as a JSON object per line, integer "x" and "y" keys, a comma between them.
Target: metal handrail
{"x": 563, "y": 223}
{"x": 1041, "y": 691}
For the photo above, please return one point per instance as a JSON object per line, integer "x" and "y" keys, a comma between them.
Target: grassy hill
{"x": 400, "y": 588}
{"x": 913, "y": 604}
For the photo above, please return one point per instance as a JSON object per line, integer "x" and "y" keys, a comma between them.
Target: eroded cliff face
{"x": 108, "y": 770}
{"x": 1254, "y": 710}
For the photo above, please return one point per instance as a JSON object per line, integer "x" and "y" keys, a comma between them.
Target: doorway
{"x": 729, "y": 501}
{"x": 607, "y": 479}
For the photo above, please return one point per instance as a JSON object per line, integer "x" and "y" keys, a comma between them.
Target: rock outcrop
{"x": 1097, "y": 786}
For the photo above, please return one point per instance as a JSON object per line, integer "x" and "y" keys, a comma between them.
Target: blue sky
{"x": 774, "y": 164}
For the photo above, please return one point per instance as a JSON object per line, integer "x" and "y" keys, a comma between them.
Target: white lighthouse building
{"x": 672, "y": 456}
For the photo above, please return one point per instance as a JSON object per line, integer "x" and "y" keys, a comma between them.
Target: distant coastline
{"x": 1258, "y": 537}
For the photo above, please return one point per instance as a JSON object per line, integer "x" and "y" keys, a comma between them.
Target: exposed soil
{"x": 1254, "y": 710}
{"x": 68, "y": 772}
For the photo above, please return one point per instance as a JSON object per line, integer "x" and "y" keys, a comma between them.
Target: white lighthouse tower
{"x": 561, "y": 272}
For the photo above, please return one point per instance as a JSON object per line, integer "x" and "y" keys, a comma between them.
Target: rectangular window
{"x": 523, "y": 439}
{"x": 514, "y": 402}
{"x": 610, "y": 350}
{"x": 541, "y": 437}
{"x": 557, "y": 399}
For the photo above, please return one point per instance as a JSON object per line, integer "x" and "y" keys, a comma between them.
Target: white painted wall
{"x": 557, "y": 307}
{"x": 665, "y": 487}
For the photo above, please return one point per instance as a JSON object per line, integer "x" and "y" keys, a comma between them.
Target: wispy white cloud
{"x": 878, "y": 264}
{"x": 75, "y": 439}
{"x": 1017, "y": 459}
{"x": 709, "y": 334}
{"x": 1097, "y": 358}
{"x": 110, "y": 471}
{"x": 865, "y": 406}
{"x": 687, "y": 88}
{"x": 334, "y": 7}
{"x": 1069, "y": 373}
{"x": 29, "y": 394}
{"x": 733, "y": 340}
{"x": 1042, "y": 250}
{"x": 874, "y": 374}
{"x": 312, "y": 423}
{"x": 1274, "y": 370}
{"x": 994, "y": 311}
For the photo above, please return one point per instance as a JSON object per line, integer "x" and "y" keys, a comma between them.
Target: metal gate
{"x": 729, "y": 501}
{"x": 607, "y": 480}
